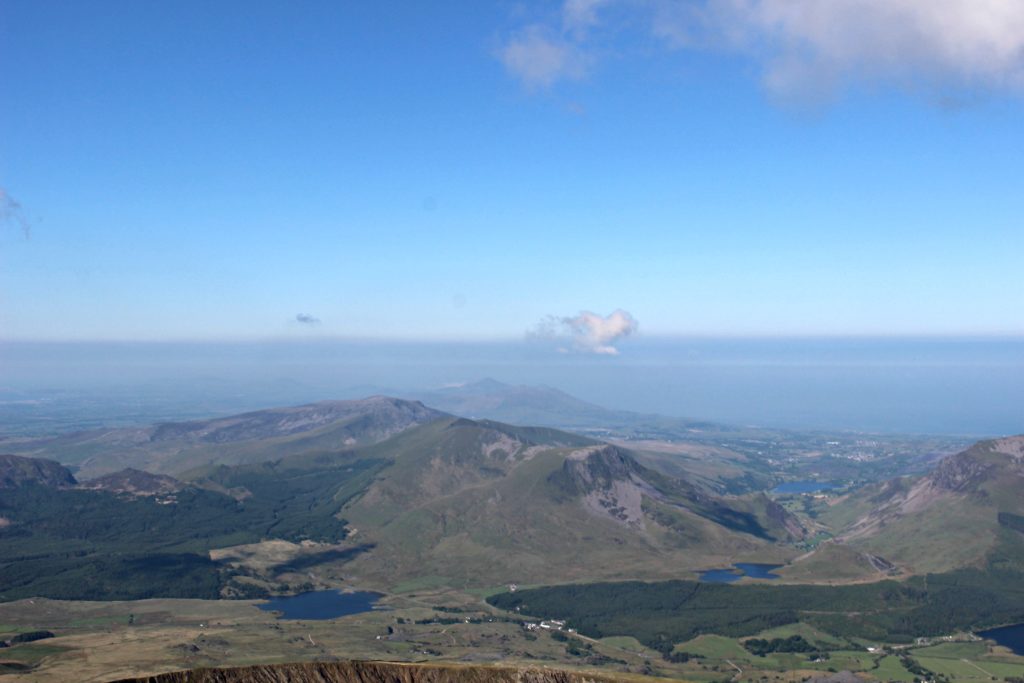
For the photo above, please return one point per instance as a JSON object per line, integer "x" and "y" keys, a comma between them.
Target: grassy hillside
{"x": 956, "y": 516}
{"x": 479, "y": 503}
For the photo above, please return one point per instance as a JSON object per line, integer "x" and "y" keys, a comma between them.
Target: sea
{"x": 943, "y": 386}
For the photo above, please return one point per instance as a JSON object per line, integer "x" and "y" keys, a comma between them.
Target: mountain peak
{"x": 16, "y": 471}
{"x": 135, "y": 482}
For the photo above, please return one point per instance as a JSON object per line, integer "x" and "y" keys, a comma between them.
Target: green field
{"x": 807, "y": 631}
{"x": 714, "y": 647}
{"x": 969, "y": 661}
{"x": 891, "y": 669}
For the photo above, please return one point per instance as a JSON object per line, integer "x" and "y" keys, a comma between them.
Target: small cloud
{"x": 540, "y": 58}
{"x": 580, "y": 15}
{"x": 12, "y": 213}
{"x": 589, "y": 332}
{"x": 307, "y": 319}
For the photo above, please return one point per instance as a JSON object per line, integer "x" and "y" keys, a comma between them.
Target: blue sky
{"x": 468, "y": 170}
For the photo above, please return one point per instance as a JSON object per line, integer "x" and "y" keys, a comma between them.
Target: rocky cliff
{"x": 379, "y": 672}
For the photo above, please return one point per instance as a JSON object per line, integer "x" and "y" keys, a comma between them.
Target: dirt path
{"x": 967, "y": 661}
{"x": 739, "y": 670}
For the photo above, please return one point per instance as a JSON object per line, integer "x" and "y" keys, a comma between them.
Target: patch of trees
{"x": 679, "y": 657}
{"x": 662, "y": 614}
{"x": 912, "y": 665}
{"x": 762, "y": 647}
{"x": 30, "y": 637}
{"x": 97, "y": 545}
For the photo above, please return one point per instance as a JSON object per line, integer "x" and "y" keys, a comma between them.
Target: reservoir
{"x": 803, "y": 487}
{"x": 321, "y": 604}
{"x": 740, "y": 569}
{"x": 1011, "y": 637}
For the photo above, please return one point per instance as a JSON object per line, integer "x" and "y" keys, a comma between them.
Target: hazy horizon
{"x": 689, "y": 210}
{"x": 910, "y": 385}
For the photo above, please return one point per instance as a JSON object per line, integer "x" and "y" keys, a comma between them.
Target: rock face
{"x": 960, "y": 473}
{"x": 597, "y": 469}
{"x": 375, "y": 672}
{"x": 612, "y": 483}
{"x": 17, "y": 471}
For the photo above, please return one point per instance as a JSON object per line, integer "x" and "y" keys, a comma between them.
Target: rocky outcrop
{"x": 595, "y": 469}
{"x": 960, "y": 473}
{"x": 376, "y": 672}
{"x": 17, "y": 471}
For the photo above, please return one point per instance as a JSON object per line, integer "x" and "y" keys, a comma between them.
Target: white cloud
{"x": 819, "y": 46}
{"x": 540, "y": 57}
{"x": 810, "y": 44}
{"x": 590, "y": 332}
{"x": 580, "y": 15}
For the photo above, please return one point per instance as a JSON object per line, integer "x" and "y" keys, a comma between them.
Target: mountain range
{"x": 413, "y": 492}
{"x": 174, "y": 447}
{"x": 387, "y": 492}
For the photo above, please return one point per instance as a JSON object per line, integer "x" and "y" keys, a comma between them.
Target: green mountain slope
{"x": 453, "y": 501}
{"x": 481, "y": 503}
{"x": 968, "y": 508}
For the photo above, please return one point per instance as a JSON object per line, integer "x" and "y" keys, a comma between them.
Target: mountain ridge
{"x": 176, "y": 447}
{"x": 961, "y": 507}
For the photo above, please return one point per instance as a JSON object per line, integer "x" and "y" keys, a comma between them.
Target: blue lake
{"x": 1007, "y": 636}
{"x": 321, "y": 604}
{"x": 804, "y": 487}
{"x": 740, "y": 569}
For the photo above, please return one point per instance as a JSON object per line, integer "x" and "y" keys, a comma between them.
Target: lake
{"x": 740, "y": 569}
{"x": 1008, "y": 636}
{"x": 321, "y": 604}
{"x": 807, "y": 486}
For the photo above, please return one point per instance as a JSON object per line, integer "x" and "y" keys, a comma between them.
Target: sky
{"x": 586, "y": 170}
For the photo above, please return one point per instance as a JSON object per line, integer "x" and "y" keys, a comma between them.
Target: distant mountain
{"x": 134, "y": 482}
{"x": 16, "y": 471}
{"x": 549, "y": 407}
{"x": 175, "y": 447}
{"x": 968, "y": 511}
